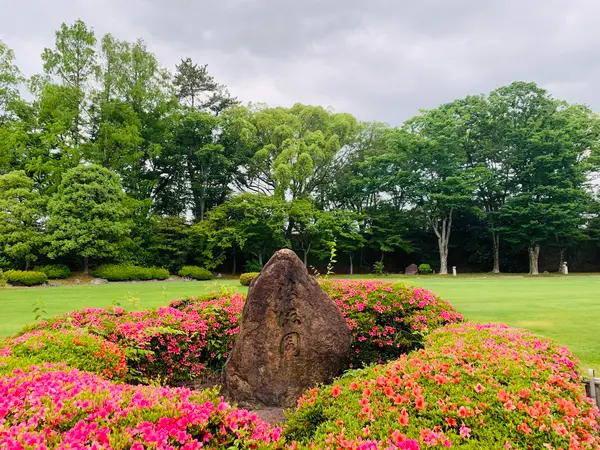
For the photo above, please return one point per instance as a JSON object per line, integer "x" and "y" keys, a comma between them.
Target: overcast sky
{"x": 378, "y": 59}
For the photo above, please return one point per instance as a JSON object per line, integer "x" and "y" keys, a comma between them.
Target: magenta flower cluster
{"x": 53, "y": 407}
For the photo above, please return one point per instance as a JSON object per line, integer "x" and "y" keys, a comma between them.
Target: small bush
{"x": 378, "y": 268}
{"x": 126, "y": 272}
{"x": 246, "y": 278}
{"x": 46, "y": 407}
{"x": 425, "y": 269}
{"x": 76, "y": 348}
{"x": 27, "y": 278}
{"x": 54, "y": 271}
{"x": 2, "y": 279}
{"x": 195, "y": 273}
{"x": 472, "y": 387}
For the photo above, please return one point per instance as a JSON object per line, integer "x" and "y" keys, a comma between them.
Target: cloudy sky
{"x": 378, "y": 59}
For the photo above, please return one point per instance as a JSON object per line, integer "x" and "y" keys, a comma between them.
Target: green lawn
{"x": 563, "y": 308}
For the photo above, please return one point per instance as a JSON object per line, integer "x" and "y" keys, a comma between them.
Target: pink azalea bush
{"x": 76, "y": 348}
{"x": 165, "y": 345}
{"x": 53, "y": 407}
{"x": 472, "y": 387}
{"x": 387, "y": 319}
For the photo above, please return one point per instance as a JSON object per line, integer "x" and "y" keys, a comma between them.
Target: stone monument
{"x": 413, "y": 269}
{"x": 292, "y": 337}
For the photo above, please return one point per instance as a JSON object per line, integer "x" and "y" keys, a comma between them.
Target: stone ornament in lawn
{"x": 413, "y": 269}
{"x": 292, "y": 337}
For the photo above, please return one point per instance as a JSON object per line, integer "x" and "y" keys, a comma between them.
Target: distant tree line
{"x": 109, "y": 157}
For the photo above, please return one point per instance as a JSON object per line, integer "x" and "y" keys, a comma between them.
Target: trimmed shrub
{"x": 54, "y": 271}
{"x": 195, "y": 273}
{"x": 27, "y": 278}
{"x": 473, "y": 386}
{"x": 125, "y": 272}
{"x": 387, "y": 319}
{"x": 246, "y": 278}
{"x": 2, "y": 279}
{"x": 46, "y": 407}
{"x": 425, "y": 269}
{"x": 77, "y": 349}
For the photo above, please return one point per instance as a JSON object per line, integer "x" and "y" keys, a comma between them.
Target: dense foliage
{"x": 127, "y": 272}
{"x": 76, "y": 348}
{"x": 54, "y": 271}
{"x": 108, "y": 157}
{"x": 57, "y": 407}
{"x": 195, "y": 273}
{"x": 25, "y": 278}
{"x": 473, "y": 386}
{"x": 246, "y": 278}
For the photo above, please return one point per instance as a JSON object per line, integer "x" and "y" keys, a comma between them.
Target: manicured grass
{"x": 565, "y": 309}
{"x": 17, "y": 304}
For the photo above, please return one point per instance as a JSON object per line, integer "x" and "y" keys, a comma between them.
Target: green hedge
{"x": 125, "y": 272}
{"x": 195, "y": 273}
{"x": 54, "y": 271}
{"x": 28, "y": 278}
{"x": 246, "y": 278}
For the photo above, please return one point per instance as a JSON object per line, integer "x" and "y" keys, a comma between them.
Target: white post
{"x": 592, "y": 386}
{"x": 454, "y": 270}
{"x": 565, "y": 268}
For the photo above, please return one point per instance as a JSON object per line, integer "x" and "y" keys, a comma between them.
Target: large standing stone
{"x": 292, "y": 337}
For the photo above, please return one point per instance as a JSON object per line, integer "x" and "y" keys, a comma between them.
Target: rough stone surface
{"x": 98, "y": 281}
{"x": 292, "y": 337}
{"x": 413, "y": 269}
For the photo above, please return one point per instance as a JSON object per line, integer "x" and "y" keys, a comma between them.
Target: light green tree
{"x": 21, "y": 209}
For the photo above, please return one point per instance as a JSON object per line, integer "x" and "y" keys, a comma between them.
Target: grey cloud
{"x": 378, "y": 59}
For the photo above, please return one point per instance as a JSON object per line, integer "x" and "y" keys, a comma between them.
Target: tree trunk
{"x": 442, "y": 229}
{"x": 534, "y": 256}
{"x": 305, "y": 257}
{"x": 496, "y": 242}
{"x": 86, "y": 265}
{"x": 234, "y": 269}
{"x": 260, "y": 258}
{"x": 561, "y": 261}
{"x": 351, "y": 266}
{"x": 27, "y": 264}
{"x": 443, "y": 260}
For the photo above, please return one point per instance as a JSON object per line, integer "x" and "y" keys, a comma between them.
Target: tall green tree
{"x": 433, "y": 145}
{"x": 550, "y": 144}
{"x": 21, "y": 212}
{"x": 198, "y": 89}
{"x": 73, "y": 61}
{"x": 248, "y": 223}
{"x": 87, "y": 216}
{"x": 298, "y": 149}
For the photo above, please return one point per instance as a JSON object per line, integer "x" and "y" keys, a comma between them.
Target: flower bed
{"x": 387, "y": 319}
{"x": 193, "y": 336}
{"x": 76, "y": 348}
{"x": 50, "y": 407}
{"x": 473, "y": 386}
